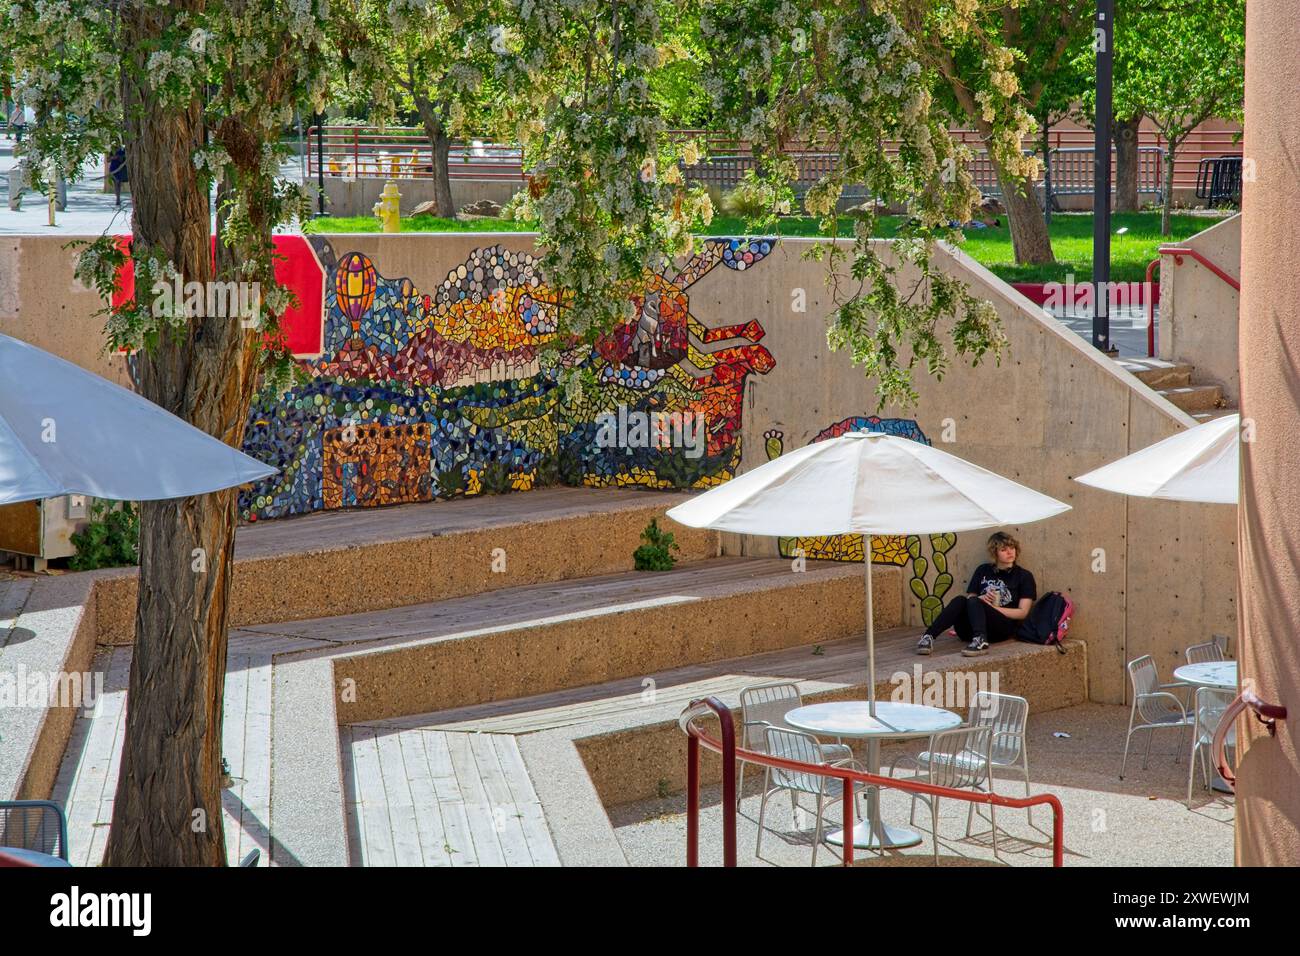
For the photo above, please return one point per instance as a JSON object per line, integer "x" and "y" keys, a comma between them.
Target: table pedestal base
{"x": 885, "y": 837}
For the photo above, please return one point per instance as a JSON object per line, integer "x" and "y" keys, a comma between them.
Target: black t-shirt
{"x": 1008, "y": 587}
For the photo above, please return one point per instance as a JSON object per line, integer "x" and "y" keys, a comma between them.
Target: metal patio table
{"x": 892, "y": 721}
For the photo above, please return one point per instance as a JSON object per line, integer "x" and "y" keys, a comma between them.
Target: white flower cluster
{"x": 213, "y": 158}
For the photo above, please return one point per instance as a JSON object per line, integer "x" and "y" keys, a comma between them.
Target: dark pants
{"x": 971, "y": 616}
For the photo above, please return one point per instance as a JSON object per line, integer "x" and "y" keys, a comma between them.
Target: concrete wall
{"x": 43, "y": 303}
{"x": 1147, "y": 577}
{"x": 358, "y": 197}
{"x": 1199, "y": 311}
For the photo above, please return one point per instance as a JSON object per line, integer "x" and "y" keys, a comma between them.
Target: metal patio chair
{"x": 959, "y": 759}
{"x": 1206, "y": 653}
{"x": 765, "y": 705}
{"x": 1006, "y": 716}
{"x": 34, "y": 825}
{"x": 804, "y": 748}
{"x": 1210, "y": 704}
{"x": 1154, "y": 704}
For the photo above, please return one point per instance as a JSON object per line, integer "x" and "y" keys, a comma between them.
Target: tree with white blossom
{"x": 428, "y": 57}
{"x": 199, "y": 91}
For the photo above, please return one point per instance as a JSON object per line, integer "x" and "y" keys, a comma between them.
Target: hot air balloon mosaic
{"x": 354, "y": 284}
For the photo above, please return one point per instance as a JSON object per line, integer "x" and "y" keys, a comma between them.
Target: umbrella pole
{"x": 871, "y": 629}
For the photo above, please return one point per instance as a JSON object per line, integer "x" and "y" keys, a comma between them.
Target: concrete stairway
{"x": 1174, "y": 380}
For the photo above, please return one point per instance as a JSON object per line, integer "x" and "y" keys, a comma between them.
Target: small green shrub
{"x": 757, "y": 202}
{"x": 451, "y": 483}
{"x": 110, "y": 540}
{"x": 656, "y": 553}
{"x": 495, "y": 478}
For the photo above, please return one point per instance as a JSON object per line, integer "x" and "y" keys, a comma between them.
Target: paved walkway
{"x": 1138, "y": 821}
{"x": 90, "y": 210}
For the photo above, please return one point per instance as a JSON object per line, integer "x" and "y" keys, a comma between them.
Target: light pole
{"x": 1104, "y": 42}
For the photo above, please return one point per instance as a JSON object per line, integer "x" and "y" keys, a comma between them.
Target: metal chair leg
{"x": 993, "y": 821}
{"x": 740, "y": 784}
{"x": 762, "y": 809}
{"x": 1024, "y": 766}
{"x": 1127, "y": 740}
{"x": 934, "y": 825}
{"x": 817, "y": 832}
{"x": 1151, "y": 734}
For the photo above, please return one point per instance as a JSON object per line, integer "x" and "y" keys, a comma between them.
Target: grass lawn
{"x": 1071, "y": 239}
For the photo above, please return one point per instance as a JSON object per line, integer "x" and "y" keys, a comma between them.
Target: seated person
{"x": 998, "y": 598}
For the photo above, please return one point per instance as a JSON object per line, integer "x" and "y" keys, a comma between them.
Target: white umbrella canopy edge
{"x": 64, "y": 430}
{"x": 805, "y": 493}
{"x": 1201, "y": 464}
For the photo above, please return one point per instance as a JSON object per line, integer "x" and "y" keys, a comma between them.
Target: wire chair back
{"x": 960, "y": 758}
{"x": 799, "y": 746}
{"x": 763, "y": 706}
{"x": 34, "y": 825}
{"x": 1206, "y": 653}
{"x": 1211, "y": 702}
{"x": 1006, "y": 716}
{"x": 1154, "y": 706}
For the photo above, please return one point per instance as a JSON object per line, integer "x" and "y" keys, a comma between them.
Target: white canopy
{"x": 867, "y": 483}
{"x": 64, "y": 430}
{"x": 1200, "y": 464}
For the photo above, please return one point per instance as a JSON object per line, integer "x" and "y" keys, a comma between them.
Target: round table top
{"x": 34, "y": 857}
{"x": 1221, "y": 674}
{"x": 852, "y": 718}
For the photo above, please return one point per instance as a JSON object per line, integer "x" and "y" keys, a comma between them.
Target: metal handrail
{"x": 1177, "y": 252}
{"x": 726, "y": 747}
{"x": 1267, "y": 714}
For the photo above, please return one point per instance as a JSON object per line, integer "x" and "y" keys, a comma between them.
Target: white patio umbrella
{"x": 64, "y": 431}
{"x": 1200, "y": 464}
{"x": 865, "y": 483}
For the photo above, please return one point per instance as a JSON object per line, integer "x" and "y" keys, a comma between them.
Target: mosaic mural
{"x": 454, "y": 391}
{"x": 898, "y": 550}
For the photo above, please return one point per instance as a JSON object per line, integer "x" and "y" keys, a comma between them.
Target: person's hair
{"x": 1000, "y": 538}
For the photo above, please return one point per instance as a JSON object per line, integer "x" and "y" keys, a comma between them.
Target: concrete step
{"x": 631, "y": 746}
{"x": 515, "y": 642}
{"x": 1158, "y": 373}
{"x": 1194, "y": 398}
{"x": 344, "y": 562}
{"x": 1210, "y": 416}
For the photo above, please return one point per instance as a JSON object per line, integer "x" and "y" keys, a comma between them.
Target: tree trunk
{"x": 436, "y": 133}
{"x": 1169, "y": 188}
{"x": 1029, "y": 237}
{"x": 1126, "y": 164}
{"x": 167, "y": 810}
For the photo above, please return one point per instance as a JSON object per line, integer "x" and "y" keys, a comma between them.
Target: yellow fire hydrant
{"x": 389, "y": 209}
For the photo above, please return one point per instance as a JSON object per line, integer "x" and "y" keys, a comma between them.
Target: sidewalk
{"x": 90, "y": 211}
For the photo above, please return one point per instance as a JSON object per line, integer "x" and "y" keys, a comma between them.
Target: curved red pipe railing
{"x": 726, "y": 747}
{"x": 1177, "y": 252}
{"x": 1267, "y": 714}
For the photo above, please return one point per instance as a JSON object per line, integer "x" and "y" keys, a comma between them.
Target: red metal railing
{"x": 1266, "y": 714}
{"x": 1178, "y": 252}
{"x": 726, "y": 746}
